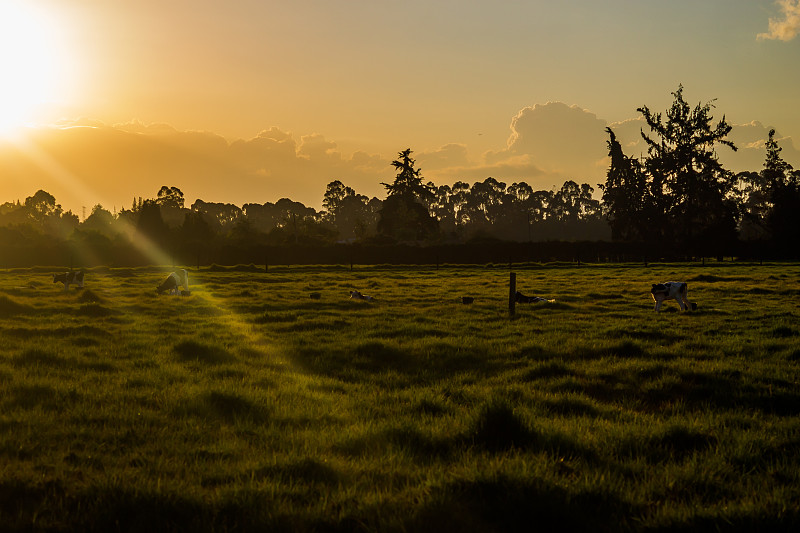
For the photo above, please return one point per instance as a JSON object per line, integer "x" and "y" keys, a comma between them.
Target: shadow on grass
{"x": 9, "y": 308}
{"x": 498, "y": 428}
{"x": 95, "y": 310}
{"x": 37, "y": 357}
{"x": 195, "y": 352}
{"x": 504, "y": 504}
{"x": 429, "y": 361}
{"x": 306, "y": 470}
{"x": 693, "y": 390}
{"x": 89, "y": 296}
{"x": 224, "y": 406}
{"x": 675, "y": 443}
{"x": 62, "y": 332}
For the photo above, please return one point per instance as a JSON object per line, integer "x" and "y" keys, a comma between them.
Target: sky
{"x": 249, "y": 101}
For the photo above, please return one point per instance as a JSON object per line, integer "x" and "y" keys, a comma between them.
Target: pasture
{"x": 248, "y": 405}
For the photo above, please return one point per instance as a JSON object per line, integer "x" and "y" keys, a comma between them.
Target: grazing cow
{"x": 174, "y": 282}
{"x": 672, "y": 290}
{"x": 69, "y": 278}
{"x": 522, "y": 299}
{"x": 355, "y": 295}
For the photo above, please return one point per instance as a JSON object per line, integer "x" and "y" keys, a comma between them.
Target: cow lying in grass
{"x": 676, "y": 290}
{"x": 174, "y": 282}
{"x": 355, "y": 295}
{"x": 522, "y": 299}
{"x": 69, "y": 278}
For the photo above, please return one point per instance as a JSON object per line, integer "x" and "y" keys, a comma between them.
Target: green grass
{"x": 248, "y": 405}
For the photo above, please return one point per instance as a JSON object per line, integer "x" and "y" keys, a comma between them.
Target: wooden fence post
{"x": 512, "y": 291}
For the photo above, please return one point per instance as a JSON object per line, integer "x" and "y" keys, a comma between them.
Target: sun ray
{"x": 33, "y": 62}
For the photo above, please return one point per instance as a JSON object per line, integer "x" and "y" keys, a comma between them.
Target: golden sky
{"x": 252, "y": 100}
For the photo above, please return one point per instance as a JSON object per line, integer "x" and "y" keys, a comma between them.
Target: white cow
{"x": 174, "y": 282}
{"x": 355, "y": 295}
{"x": 670, "y": 290}
{"x": 69, "y": 278}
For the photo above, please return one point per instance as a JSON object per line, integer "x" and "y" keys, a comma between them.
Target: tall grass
{"x": 250, "y": 405}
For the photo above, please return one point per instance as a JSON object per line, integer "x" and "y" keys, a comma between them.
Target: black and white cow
{"x": 676, "y": 290}
{"x": 522, "y": 299}
{"x": 174, "y": 282}
{"x": 355, "y": 295}
{"x": 69, "y": 278}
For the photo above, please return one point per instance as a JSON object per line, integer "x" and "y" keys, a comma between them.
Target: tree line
{"x": 676, "y": 197}
{"x": 681, "y": 195}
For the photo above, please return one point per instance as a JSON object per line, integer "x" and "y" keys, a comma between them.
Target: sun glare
{"x": 30, "y": 63}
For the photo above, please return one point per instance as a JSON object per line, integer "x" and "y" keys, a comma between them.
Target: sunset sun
{"x": 30, "y": 63}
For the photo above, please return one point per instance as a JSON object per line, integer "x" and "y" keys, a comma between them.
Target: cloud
{"x": 750, "y": 140}
{"x": 510, "y": 170}
{"x": 84, "y": 162}
{"x": 787, "y": 27}
{"x": 555, "y": 139}
{"x": 449, "y": 155}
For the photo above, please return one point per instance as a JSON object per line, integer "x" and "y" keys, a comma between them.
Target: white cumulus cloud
{"x": 787, "y": 26}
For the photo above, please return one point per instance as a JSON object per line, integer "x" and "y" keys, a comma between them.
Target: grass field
{"x": 251, "y": 406}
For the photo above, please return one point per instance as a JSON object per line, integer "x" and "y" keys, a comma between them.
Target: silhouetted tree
{"x": 687, "y": 180}
{"x": 151, "y": 225}
{"x": 220, "y": 216}
{"x": 778, "y": 189}
{"x": 335, "y": 193}
{"x": 625, "y": 194}
{"x": 100, "y": 220}
{"x": 485, "y": 204}
{"x": 170, "y": 197}
{"x": 404, "y": 214}
{"x": 408, "y": 181}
